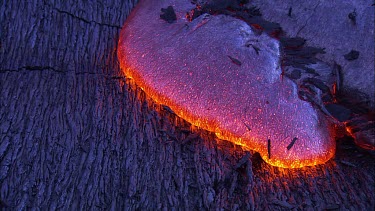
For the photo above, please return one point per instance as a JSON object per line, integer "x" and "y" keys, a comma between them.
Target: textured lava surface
{"x": 208, "y": 73}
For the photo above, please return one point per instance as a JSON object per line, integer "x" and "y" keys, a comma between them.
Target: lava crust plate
{"x": 208, "y": 73}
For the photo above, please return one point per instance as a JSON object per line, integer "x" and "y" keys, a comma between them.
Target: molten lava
{"x": 207, "y": 74}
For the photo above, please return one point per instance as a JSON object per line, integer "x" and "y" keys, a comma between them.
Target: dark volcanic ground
{"x": 76, "y": 135}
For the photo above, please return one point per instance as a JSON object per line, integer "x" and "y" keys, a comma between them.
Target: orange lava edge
{"x": 225, "y": 135}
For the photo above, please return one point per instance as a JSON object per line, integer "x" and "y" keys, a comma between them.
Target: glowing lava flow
{"x": 207, "y": 74}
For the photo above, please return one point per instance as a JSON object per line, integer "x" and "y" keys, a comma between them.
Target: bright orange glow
{"x": 360, "y": 138}
{"x": 187, "y": 66}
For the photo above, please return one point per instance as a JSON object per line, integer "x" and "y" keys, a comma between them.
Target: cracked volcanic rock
{"x": 339, "y": 27}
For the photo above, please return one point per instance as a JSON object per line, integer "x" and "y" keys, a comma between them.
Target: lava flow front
{"x": 207, "y": 72}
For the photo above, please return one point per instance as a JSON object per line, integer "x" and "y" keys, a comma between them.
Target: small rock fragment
{"x": 292, "y": 143}
{"x": 290, "y": 11}
{"x": 352, "y": 16}
{"x": 235, "y": 61}
{"x": 168, "y": 14}
{"x": 352, "y": 55}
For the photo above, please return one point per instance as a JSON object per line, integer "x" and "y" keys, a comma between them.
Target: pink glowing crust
{"x": 186, "y": 67}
